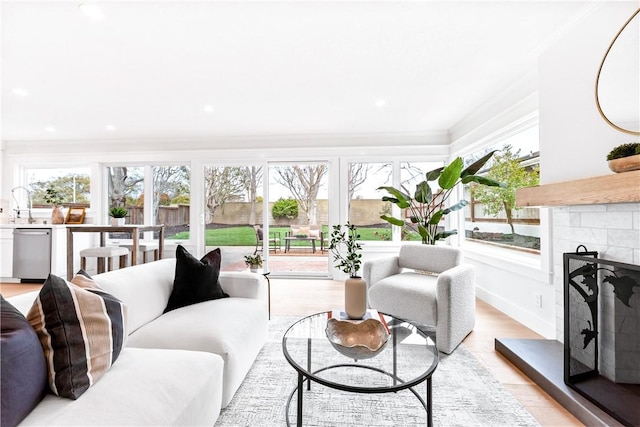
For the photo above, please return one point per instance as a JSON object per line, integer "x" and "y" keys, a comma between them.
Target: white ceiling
{"x": 266, "y": 67}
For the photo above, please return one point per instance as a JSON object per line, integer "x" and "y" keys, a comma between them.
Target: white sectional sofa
{"x": 178, "y": 368}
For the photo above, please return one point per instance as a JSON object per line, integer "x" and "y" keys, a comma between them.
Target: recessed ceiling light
{"x": 20, "y": 92}
{"x": 380, "y": 103}
{"x": 91, "y": 11}
{"x": 110, "y": 127}
{"x": 208, "y": 109}
{"x": 50, "y": 129}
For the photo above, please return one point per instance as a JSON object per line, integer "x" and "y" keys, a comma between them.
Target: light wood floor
{"x": 303, "y": 297}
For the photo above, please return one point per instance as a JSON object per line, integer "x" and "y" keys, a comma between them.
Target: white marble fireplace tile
{"x": 624, "y": 239}
{"x": 615, "y": 220}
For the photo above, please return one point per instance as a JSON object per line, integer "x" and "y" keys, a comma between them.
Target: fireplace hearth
{"x": 602, "y": 333}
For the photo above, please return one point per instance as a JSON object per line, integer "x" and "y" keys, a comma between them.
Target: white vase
{"x": 355, "y": 297}
{"x": 117, "y": 222}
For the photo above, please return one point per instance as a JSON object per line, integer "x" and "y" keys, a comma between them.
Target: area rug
{"x": 464, "y": 394}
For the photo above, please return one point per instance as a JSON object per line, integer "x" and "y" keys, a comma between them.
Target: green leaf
{"x": 482, "y": 180}
{"x": 434, "y": 174}
{"x": 401, "y": 199}
{"x": 423, "y": 193}
{"x": 461, "y": 204}
{"x": 402, "y": 204}
{"x": 446, "y": 234}
{"x": 424, "y": 233}
{"x": 392, "y": 220}
{"x": 437, "y": 217}
{"x": 451, "y": 174}
{"x": 477, "y": 165}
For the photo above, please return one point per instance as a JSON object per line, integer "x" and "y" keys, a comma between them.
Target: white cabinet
{"x": 6, "y": 252}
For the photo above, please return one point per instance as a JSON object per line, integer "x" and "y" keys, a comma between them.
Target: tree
{"x": 222, "y": 184}
{"x": 168, "y": 183}
{"x": 358, "y": 173}
{"x": 74, "y": 189}
{"x": 122, "y": 184}
{"x": 304, "y": 182}
{"x": 505, "y": 168}
{"x": 253, "y": 179}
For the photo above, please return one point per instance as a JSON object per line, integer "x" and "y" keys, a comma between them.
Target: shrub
{"x": 624, "y": 150}
{"x": 285, "y": 208}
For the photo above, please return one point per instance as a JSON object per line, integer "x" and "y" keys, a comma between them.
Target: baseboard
{"x": 530, "y": 320}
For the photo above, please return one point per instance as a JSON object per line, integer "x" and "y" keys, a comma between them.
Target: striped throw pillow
{"x": 82, "y": 330}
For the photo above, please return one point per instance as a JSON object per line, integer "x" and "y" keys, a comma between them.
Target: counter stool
{"x": 145, "y": 248}
{"x": 103, "y": 252}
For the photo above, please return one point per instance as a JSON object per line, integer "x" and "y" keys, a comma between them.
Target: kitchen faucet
{"x": 30, "y": 205}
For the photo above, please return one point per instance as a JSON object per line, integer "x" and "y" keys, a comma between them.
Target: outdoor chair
{"x": 429, "y": 284}
{"x": 274, "y": 239}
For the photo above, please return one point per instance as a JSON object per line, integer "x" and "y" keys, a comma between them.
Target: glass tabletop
{"x": 408, "y": 357}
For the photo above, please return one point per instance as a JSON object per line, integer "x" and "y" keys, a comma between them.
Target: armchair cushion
{"x": 392, "y": 294}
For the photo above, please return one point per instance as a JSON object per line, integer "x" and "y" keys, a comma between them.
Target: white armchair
{"x": 428, "y": 284}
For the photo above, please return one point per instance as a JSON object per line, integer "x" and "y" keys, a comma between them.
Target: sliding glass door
{"x": 298, "y": 219}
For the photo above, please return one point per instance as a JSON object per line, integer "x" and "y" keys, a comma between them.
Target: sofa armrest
{"x": 243, "y": 284}
{"x": 456, "y": 297}
{"x": 375, "y": 270}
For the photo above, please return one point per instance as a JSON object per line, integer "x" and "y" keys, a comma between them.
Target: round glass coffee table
{"x": 409, "y": 358}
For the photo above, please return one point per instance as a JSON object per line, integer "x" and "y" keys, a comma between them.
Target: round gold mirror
{"x": 618, "y": 80}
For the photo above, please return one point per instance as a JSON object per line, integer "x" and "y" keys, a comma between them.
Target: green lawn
{"x": 245, "y": 236}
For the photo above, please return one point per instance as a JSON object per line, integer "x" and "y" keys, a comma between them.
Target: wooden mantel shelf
{"x": 615, "y": 188}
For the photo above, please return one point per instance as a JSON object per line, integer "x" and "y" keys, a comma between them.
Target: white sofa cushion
{"x": 234, "y": 328}
{"x": 132, "y": 393}
{"x": 144, "y": 288}
{"x": 407, "y": 295}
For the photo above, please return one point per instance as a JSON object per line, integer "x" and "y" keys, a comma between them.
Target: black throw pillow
{"x": 23, "y": 371}
{"x": 195, "y": 280}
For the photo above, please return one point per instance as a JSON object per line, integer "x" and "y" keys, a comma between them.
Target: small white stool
{"x": 145, "y": 248}
{"x": 103, "y": 252}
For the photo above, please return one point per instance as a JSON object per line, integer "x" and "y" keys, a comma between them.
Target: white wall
{"x": 574, "y": 139}
{"x": 574, "y": 142}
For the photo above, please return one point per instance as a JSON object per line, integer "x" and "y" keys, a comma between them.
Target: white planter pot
{"x": 117, "y": 222}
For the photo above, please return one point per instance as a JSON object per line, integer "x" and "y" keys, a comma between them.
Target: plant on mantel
{"x": 427, "y": 207}
{"x": 624, "y": 157}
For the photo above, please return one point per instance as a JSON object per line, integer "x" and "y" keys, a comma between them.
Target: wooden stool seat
{"x": 103, "y": 252}
{"x": 145, "y": 248}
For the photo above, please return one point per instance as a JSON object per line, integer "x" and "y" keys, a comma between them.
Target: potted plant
{"x": 118, "y": 215}
{"x": 54, "y": 198}
{"x": 254, "y": 262}
{"x": 624, "y": 157}
{"x": 427, "y": 207}
{"x": 355, "y": 288}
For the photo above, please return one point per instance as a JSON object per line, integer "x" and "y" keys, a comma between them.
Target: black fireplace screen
{"x": 602, "y": 333}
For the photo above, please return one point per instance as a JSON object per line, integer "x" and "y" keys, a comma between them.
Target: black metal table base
{"x": 301, "y": 379}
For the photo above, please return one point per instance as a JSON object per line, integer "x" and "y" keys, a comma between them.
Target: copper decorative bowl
{"x": 357, "y": 340}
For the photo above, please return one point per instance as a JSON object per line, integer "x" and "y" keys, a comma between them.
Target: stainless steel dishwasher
{"x": 31, "y": 253}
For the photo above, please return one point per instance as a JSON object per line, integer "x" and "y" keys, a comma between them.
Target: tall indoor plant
{"x": 427, "y": 207}
{"x": 349, "y": 262}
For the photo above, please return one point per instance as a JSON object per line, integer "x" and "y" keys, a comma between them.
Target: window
{"x": 72, "y": 184}
{"x": 169, "y": 186}
{"x": 491, "y": 216}
{"x": 365, "y": 203}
